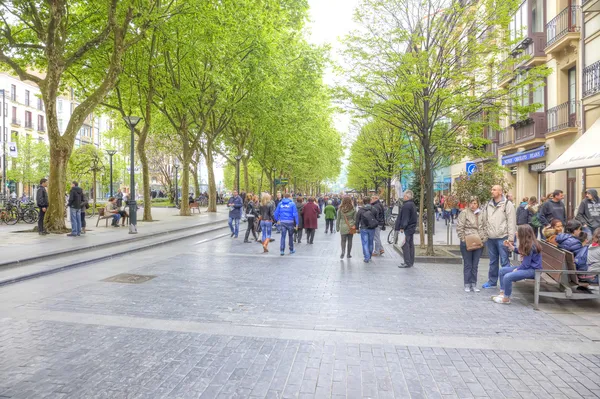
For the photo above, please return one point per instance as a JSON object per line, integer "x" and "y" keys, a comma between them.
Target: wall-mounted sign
{"x": 524, "y": 156}
{"x": 471, "y": 168}
{"x": 537, "y": 167}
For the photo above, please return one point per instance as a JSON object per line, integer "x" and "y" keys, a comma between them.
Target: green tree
{"x": 32, "y": 161}
{"x": 480, "y": 183}
{"x": 85, "y": 164}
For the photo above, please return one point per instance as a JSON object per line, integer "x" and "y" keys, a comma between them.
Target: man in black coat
{"x": 41, "y": 198}
{"x": 407, "y": 223}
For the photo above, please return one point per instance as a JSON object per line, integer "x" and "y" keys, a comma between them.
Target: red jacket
{"x": 310, "y": 212}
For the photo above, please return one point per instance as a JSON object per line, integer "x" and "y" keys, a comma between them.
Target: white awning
{"x": 584, "y": 153}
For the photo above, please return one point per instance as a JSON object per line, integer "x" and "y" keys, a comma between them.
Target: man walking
{"x": 286, "y": 215}
{"x": 75, "y": 203}
{"x": 366, "y": 223}
{"x": 589, "y": 212}
{"x": 235, "y": 205}
{"x": 553, "y": 209}
{"x": 500, "y": 222}
{"x": 407, "y": 223}
{"x": 41, "y": 198}
{"x": 379, "y": 212}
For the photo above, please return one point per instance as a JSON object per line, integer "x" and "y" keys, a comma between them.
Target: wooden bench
{"x": 102, "y": 216}
{"x": 559, "y": 265}
{"x": 196, "y": 206}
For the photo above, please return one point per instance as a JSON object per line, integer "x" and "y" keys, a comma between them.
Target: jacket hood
{"x": 367, "y": 206}
{"x": 524, "y": 204}
{"x": 286, "y": 200}
{"x": 594, "y": 194}
{"x": 568, "y": 242}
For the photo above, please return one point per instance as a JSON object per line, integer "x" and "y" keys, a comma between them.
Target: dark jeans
{"x": 498, "y": 255}
{"x": 310, "y": 235}
{"x": 298, "y": 235}
{"x": 251, "y": 229}
{"x": 83, "y": 224}
{"x": 408, "y": 250}
{"x": 328, "y": 225}
{"x": 347, "y": 241}
{"x": 470, "y": 263}
{"x": 287, "y": 229}
{"x": 510, "y": 275}
{"x": 41, "y": 221}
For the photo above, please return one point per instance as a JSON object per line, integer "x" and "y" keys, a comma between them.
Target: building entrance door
{"x": 571, "y": 193}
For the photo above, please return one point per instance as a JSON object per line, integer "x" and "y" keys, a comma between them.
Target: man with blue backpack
{"x": 286, "y": 215}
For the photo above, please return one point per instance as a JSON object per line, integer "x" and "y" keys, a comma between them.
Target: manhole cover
{"x": 128, "y": 278}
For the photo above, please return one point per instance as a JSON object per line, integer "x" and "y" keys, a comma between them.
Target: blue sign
{"x": 471, "y": 168}
{"x": 447, "y": 180}
{"x": 524, "y": 156}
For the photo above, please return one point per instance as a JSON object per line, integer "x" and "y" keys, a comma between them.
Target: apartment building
{"x": 25, "y": 115}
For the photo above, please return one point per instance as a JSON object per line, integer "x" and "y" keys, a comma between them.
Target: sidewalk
{"x": 18, "y": 246}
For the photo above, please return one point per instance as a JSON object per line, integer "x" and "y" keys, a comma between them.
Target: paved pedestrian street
{"x": 219, "y": 319}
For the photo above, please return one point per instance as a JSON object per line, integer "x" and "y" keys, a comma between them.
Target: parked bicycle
{"x": 9, "y": 217}
{"x": 23, "y": 211}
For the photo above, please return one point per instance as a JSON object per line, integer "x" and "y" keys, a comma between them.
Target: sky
{"x": 330, "y": 21}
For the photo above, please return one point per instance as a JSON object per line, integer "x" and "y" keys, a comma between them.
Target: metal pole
{"x": 176, "y": 186}
{"x": 238, "y": 174}
{"x": 132, "y": 201}
{"x": 111, "y": 175}
{"x": 4, "y": 110}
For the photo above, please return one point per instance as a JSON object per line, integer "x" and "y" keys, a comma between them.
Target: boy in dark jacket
{"x": 366, "y": 223}
{"x": 589, "y": 212}
{"x": 75, "y": 203}
{"x": 41, "y": 198}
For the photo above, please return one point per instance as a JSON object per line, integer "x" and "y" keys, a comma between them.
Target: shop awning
{"x": 523, "y": 156}
{"x": 584, "y": 153}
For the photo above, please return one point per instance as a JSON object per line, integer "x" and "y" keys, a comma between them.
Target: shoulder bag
{"x": 473, "y": 241}
{"x": 351, "y": 229}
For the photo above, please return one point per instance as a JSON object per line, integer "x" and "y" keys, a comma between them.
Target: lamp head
{"x": 132, "y": 121}
{"x": 111, "y": 152}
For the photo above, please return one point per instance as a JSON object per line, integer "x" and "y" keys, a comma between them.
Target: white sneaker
{"x": 474, "y": 288}
{"x": 467, "y": 288}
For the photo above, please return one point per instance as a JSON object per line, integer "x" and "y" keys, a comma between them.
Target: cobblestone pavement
{"x": 222, "y": 320}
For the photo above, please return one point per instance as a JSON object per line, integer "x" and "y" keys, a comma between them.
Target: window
{"x": 60, "y": 106}
{"x": 41, "y": 126}
{"x": 518, "y": 24}
{"x": 537, "y": 16}
{"x": 60, "y": 126}
{"x": 572, "y": 91}
{"x": 13, "y": 93}
{"x": 538, "y": 98}
{"x": 28, "y": 120}
{"x": 14, "y": 114}
{"x": 27, "y": 97}
{"x": 40, "y": 104}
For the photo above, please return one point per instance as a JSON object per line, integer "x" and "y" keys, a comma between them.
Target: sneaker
{"x": 232, "y": 234}
{"x": 367, "y": 260}
{"x": 467, "y": 288}
{"x": 271, "y": 239}
{"x": 71, "y": 235}
{"x": 342, "y": 256}
{"x": 282, "y": 253}
{"x": 474, "y": 288}
{"x": 293, "y": 251}
{"x": 501, "y": 299}
{"x": 381, "y": 252}
{"x": 349, "y": 256}
{"x": 487, "y": 285}
{"x": 374, "y": 254}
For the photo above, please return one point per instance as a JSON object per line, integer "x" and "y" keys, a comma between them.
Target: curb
{"x": 433, "y": 259}
{"x": 101, "y": 258}
{"x": 50, "y": 255}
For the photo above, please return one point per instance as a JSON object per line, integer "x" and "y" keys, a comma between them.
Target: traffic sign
{"x": 282, "y": 182}
{"x": 471, "y": 168}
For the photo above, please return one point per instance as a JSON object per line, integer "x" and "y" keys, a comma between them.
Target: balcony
{"x": 506, "y": 75}
{"x": 532, "y": 49}
{"x": 28, "y": 124}
{"x": 590, "y": 6}
{"x": 563, "y": 30}
{"x": 506, "y": 137}
{"x": 532, "y": 129}
{"x": 563, "y": 119}
{"x": 591, "y": 84}
{"x": 15, "y": 122}
{"x": 41, "y": 129}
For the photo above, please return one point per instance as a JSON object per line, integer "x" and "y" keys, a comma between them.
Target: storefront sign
{"x": 537, "y": 167}
{"x": 524, "y": 156}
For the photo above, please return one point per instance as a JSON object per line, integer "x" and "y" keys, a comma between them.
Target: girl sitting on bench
{"x": 528, "y": 245}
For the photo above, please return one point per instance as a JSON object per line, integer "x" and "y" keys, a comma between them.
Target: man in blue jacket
{"x": 286, "y": 215}
{"x": 235, "y": 205}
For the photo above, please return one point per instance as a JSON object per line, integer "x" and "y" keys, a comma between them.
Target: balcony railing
{"x": 591, "y": 79}
{"x": 506, "y": 137}
{"x": 15, "y": 121}
{"x": 531, "y": 128}
{"x": 563, "y": 116}
{"x": 567, "y": 21}
{"x": 41, "y": 128}
{"x": 28, "y": 125}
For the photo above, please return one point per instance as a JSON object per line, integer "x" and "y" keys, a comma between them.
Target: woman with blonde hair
{"x": 473, "y": 235}
{"x": 266, "y": 212}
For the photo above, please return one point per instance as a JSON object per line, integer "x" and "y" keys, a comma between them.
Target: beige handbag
{"x": 473, "y": 241}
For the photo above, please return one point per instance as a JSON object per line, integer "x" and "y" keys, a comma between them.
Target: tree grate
{"x": 129, "y": 278}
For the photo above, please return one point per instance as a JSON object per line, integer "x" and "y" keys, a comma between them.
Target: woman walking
{"x": 300, "y": 227}
{"x": 310, "y": 213}
{"x": 345, "y": 224}
{"x": 266, "y": 213}
{"x": 473, "y": 235}
{"x": 251, "y": 212}
{"x": 330, "y": 214}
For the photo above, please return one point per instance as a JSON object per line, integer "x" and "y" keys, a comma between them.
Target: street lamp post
{"x": 273, "y": 182}
{"x": 4, "y": 110}
{"x": 176, "y": 185}
{"x": 237, "y": 171}
{"x": 110, "y": 154}
{"x": 131, "y": 122}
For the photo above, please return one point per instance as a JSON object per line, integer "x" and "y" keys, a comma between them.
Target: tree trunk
{"x": 141, "y": 150}
{"x": 54, "y": 221}
{"x": 194, "y": 172}
{"x": 246, "y": 186}
{"x": 421, "y": 207}
{"x": 262, "y": 175}
{"x": 212, "y": 187}
{"x": 388, "y": 196}
{"x": 94, "y": 190}
{"x": 429, "y": 196}
{"x": 184, "y": 209}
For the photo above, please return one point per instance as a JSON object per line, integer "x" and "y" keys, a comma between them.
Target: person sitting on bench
{"x": 593, "y": 259}
{"x": 570, "y": 241}
{"x": 113, "y": 210}
{"x": 526, "y": 270}
{"x": 550, "y": 233}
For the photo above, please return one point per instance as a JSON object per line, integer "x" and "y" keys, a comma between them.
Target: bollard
{"x": 448, "y": 234}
